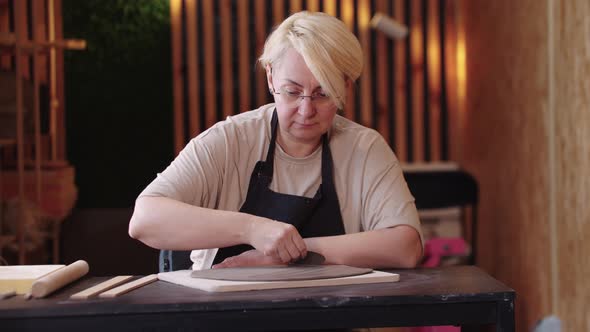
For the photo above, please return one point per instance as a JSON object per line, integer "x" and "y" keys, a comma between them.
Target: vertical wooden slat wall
{"x": 5, "y": 59}
{"x": 401, "y": 92}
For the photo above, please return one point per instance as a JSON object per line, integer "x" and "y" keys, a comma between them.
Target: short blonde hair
{"x": 330, "y": 50}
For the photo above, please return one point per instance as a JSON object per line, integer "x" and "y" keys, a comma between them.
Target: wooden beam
{"x": 434, "y": 79}
{"x": 400, "y": 88}
{"x": 261, "y": 32}
{"x": 417, "y": 61}
{"x": 347, "y": 16}
{"x": 210, "y": 63}
{"x": 227, "y": 79}
{"x": 244, "y": 62}
{"x": 384, "y": 109}
{"x": 177, "y": 73}
{"x": 364, "y": 31}
{"x": 192, "y": 74}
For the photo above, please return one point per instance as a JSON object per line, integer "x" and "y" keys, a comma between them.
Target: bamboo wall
{"x": 403, "y": 91}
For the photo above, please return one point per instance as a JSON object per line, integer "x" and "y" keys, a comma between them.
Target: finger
{"x": 283, "y": 255}
{"x": 293, "y": 251}
{"x": 300, "y": 244}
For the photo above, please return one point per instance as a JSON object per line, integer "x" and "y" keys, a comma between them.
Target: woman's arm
{"x": 165, "y": 223}
{"x": 395, "y": 247}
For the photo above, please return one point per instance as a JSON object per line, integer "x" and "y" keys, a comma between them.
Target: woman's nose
{"x": 306, "y": 107}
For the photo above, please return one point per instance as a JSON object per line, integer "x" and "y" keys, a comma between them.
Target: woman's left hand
{"x": 248, "y": 258}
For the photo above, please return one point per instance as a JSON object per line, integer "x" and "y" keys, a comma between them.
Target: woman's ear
{"x": 269, "y": 77}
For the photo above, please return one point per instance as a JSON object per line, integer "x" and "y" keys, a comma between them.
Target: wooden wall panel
{"x": 527, "y": 128}
{"x": 177, "y": 74}
{"x": 227, "y": 79}
{"x": 220, "y": 41}
{"x": 400, "y": 87}
{"x": 193, "y": 71}
{"x": 571, "y": 113}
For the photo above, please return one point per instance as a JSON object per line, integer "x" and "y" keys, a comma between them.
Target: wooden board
{"x": 20, "y": 278}
{"x": 183, "y": 277}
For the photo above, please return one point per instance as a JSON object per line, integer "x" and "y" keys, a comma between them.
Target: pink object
{"x": 436, "y": 329}
{"x": 438, "y": 247}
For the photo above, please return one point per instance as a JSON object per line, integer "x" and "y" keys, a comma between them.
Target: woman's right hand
{"x": 276, "y": 239}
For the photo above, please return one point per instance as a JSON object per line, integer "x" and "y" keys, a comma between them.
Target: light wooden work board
{"x": 183, "y": 277}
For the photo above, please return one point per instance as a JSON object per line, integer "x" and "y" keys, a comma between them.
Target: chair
{"x": 445, "y": 187}
{"x": 171, "y": 260}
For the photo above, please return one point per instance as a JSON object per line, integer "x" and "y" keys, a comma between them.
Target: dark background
{"x": 118, "y": 126}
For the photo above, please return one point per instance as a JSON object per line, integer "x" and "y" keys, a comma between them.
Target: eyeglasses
{"x": 293, "y": 98}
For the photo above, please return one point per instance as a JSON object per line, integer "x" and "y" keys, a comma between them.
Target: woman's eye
{"x": 320, "y": 95}
{"x": 292, "y": 93}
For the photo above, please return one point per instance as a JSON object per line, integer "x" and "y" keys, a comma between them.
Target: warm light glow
{"x": 461, "y": 66}
{"x": 434, "y": 66}
{"x": 416, "y": 45}
{"x": 364, "y": 15}
{"x": 347, "y": 11}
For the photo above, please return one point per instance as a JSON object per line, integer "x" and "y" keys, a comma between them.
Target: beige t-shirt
{"x": 214, "y": 169}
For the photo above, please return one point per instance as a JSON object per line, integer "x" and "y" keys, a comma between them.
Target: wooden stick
{"x": 103, "y": 286}
{"x": 129, "y": 286}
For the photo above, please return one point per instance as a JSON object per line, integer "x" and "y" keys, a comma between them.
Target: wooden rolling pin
{"x": 59, "y": 278}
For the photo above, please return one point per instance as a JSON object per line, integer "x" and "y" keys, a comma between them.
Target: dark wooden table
{"x": 459, "y": 295}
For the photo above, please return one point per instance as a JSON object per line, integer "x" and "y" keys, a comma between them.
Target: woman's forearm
{"x": 396, "y": 247}
{"x": 164, "y": 223}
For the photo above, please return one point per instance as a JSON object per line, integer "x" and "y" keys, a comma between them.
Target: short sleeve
{"x": 195, "y": 176}
{"x": 387, "y": 201}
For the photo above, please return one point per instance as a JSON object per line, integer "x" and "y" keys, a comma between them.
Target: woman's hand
{"x": 248, "y": 258}
{"x": 278, "y": 240}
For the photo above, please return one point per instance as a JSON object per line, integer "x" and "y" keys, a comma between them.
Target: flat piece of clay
{"x": 280, "y": 273}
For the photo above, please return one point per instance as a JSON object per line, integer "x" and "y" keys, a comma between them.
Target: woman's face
{"x": 304, "y": 121}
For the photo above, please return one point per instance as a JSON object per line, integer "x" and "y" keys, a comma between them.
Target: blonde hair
{"x": 332, "y": 53}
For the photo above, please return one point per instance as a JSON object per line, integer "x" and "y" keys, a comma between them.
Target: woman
{"x": 269, "y": 185}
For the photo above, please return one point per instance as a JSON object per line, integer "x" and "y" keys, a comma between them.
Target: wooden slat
{"x": 20, "y": 16}
{"x": 278, "y": 12}
{"x": 330, "y": 7}
{"x": 400, "y": 88}
{"x": 38, "y": 15}
{"x": 192, "y": 64}
{"x": 434, "y": 80}
{"x": 363, "y": 18}
{"x": 128, "y": 287}
{"x": 226, "y": 58}
{"x": 40, "y": 35}
{"x": 60, "y": 121}
{"x": 295, "y": 6}
{"x": 177, "y": 76}
{"x": 383, "y": 75}
{"x": 313, "y": 5}
{"x": 450, "y": 68}
{"x": 102, "y": 287}
{"x": 261, "y": 31}
{"x": 417, "y": 61}
{"x": 210, "y": 63}
{"x": 244, "y": 62}
{"x": 22, "y": 26}
{"x": 5, "y": 59}
{"x": 347, "y": 16}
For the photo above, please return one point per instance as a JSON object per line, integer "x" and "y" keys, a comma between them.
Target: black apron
{"x": 317, "y": 216}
